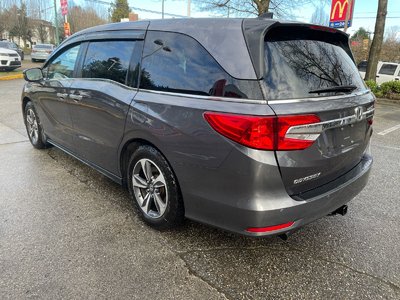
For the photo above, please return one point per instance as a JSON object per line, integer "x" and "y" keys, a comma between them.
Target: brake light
{"x": 323, "y": 28}
{"x": 270, "y": 228}
{"x": 258, "y": 132}
{"x": 285, "y": 122}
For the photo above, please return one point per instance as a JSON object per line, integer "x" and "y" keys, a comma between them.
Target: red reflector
{"x": 270, "y": 228}
{"x": 263, "y": 133}
{"x": 323, "y": 28}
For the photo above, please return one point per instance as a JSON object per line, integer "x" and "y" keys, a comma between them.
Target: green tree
{"x": 360, "y": 34}
{"x": 120, "y": 10}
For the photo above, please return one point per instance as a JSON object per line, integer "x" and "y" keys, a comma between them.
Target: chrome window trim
{"x": 255, "y": 101}
{"x": 212, "y": 98}
{"x": 296, "y": 100}
{"x": 311, "y": 132}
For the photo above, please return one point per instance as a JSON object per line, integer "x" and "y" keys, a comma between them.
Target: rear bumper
{"x": 301, "y": 210}
{"x": 39, "y": 56}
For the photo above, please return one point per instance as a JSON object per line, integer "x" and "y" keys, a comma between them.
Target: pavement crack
{"x": 382, "y": 280}
{"x": 392, "y": 285}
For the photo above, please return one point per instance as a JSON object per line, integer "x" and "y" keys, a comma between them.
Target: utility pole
{"x": 348, "y": 10}
{"x": 57, "y": 39}
{"x": 376, "y": 45}
{"x": 188, "y": 8}
{"x": 162, "y": 10}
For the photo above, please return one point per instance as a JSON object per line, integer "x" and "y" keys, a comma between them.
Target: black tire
{"x": 173, "y": 215}
{"x": 37, "y": 140}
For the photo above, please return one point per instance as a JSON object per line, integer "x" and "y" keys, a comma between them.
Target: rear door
{"x": 101, "y": 99}
{"x": 386, "y": 72}
{"x": 311, "y": 77}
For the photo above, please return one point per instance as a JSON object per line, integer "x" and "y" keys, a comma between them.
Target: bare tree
{"x": 281, "y": 8}
{"x": 377, "y": 41}
{"x": 81, "y": 18}
{"x": 320, "y": 16}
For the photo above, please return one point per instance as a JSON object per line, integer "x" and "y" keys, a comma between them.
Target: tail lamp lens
{"x": 258, "y": 132}
{"x": 270, "y": 228}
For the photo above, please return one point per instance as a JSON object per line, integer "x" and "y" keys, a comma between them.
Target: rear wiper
{"x": 333, "y": 89}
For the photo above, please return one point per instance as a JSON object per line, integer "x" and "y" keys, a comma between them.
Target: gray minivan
{"x": 256, "y": 126}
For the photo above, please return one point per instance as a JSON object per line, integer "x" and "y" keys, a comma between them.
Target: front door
{"x": 53, "y": 100}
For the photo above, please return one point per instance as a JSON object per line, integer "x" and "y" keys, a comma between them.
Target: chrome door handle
{"x": 76, "y": 97}
{"x": 62, "y": 96}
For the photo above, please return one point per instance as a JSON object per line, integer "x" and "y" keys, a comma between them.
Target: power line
{"x": 139, "y": 9}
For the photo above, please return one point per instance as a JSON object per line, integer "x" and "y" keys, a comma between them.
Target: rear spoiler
{"x": 254, "y": 31}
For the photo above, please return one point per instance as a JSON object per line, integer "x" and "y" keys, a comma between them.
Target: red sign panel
{"x": 339, "y": 10}
{"x": 64, "y": 7}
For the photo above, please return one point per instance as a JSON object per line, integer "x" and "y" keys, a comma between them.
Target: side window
{"x": 63, "y": 65}
{"x": 108, "y": 60}
{"x": 388, "y": 69}
{"x": 177, "y": 63}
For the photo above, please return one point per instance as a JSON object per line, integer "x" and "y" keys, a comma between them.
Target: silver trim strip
{"x": 284, "y": 101}
{"x": 254, "y": 101}
{"x": 212, "y": 98}
{"x": 311, "y": 132}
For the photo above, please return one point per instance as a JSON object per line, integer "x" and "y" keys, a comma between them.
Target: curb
{"x": 11, "y": 77}
{"x": 387, "y": 101}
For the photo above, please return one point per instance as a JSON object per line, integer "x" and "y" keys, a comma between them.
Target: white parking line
{"x": 389, "y": 130}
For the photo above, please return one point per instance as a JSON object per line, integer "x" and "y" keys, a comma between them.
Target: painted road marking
{"x": 389, "y": 130}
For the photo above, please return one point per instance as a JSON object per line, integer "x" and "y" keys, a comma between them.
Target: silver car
{"x": 41, "y": 52}
{"x": 256, "y": 126}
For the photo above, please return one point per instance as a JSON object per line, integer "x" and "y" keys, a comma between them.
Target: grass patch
{"x": 8, "y": 73}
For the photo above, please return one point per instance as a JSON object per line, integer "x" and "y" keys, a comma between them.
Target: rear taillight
{"x": 263, "y": 133}
{"x": 286, "y": 122}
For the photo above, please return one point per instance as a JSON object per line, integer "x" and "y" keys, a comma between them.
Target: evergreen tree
{"x": 120, "y": 10}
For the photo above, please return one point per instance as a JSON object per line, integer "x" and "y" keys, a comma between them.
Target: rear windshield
{"x": 43, "y": 47}
{"x": 303, "y": 60}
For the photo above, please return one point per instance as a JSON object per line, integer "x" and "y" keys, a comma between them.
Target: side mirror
{"x": 33, "y": 75}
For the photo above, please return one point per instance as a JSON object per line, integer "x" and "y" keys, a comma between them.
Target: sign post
{"x": 64, "y": 12}
{"x": 341, "y": 15}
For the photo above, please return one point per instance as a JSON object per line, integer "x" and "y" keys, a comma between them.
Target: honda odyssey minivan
{"x": 256, "y": 126}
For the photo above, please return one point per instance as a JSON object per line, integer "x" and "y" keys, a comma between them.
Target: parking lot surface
{"x": 66, "y": 231}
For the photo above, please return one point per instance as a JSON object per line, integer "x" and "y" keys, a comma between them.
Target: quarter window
{"x": 63, "y": 65}
{"x": 108, "y": 60}
{"x": 388, "y": 69}
{"x": 177, "y": 63}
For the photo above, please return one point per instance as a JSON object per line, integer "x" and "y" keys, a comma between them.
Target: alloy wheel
{"x": 32, "y": 125}
{"x": 150, "y": 188}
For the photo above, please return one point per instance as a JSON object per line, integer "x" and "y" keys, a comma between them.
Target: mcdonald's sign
{"x": 338, "y": 13}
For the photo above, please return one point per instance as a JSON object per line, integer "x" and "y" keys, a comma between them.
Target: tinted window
{"x": 177, "y": 63}
{"x": 300, "y": 62}
{"x": 108, "y": 60}
{"x": 388, "y": 69}
{"x": 362, "y": 66}
{"x": 63, "y": 65}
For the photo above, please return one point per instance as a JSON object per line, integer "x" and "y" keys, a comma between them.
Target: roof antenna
{"x": 266, "y": 15}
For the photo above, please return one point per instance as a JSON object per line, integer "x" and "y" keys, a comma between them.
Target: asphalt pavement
{"x": 68, "y": 232}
